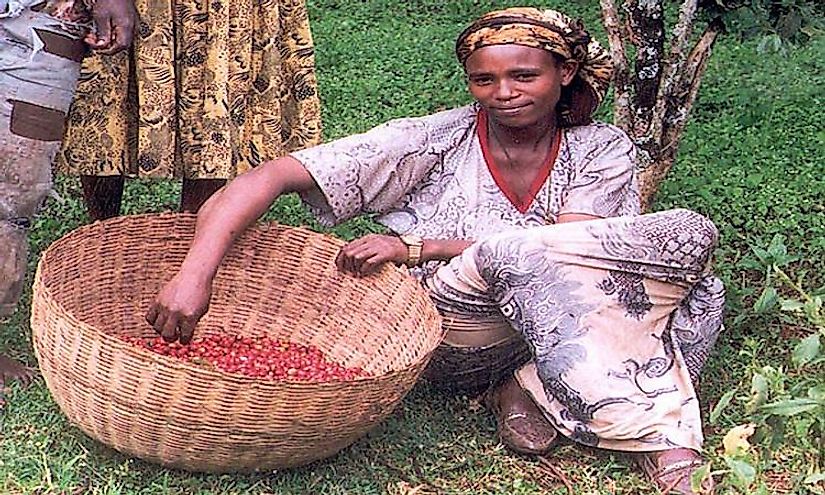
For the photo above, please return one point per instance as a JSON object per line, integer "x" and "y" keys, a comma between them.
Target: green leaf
{"x": 814, "y": 478}
{"x": 767, "y": 301}
{"x": 698, "y": 477}
{"x": 777, "y": 249}
{"x": 791, "y": 304}
{"x": 776, "y": 432}
{"x": 806, "y": 350}
{"x": 817, "y": 392}
{"x": 813, "y": 310}
{"x": 759, "y": 392}
{"x": 721, "y": 405}
{"x": 742, "y": 470}
{"x": 763, "y": 256}
{"x": 791, "y": 407}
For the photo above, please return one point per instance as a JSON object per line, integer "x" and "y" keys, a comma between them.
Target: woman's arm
{"x": 230, "y": 211}
{"x": 366, "y": 254}
{"x": 576, "y": 217}
{"x": 225, "y": 216}
{"x": 442, "y": 250}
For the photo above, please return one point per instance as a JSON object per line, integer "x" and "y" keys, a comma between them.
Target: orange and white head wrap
{"x": 556, "y": 33}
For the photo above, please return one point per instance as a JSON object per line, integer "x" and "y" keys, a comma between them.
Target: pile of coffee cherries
{"x": 258, "y": 357}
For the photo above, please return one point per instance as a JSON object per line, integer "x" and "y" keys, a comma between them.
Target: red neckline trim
{"x": 521, "y": 204}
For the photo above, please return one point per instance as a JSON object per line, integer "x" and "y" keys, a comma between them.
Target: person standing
{"x": 42, "y": 43}
{"x": 210, "y": 90}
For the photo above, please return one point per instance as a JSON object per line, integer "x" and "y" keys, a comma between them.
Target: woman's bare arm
{"x": 225, "y": 216}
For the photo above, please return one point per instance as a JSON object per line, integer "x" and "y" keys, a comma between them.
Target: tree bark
{"x": 622, "y": 92}
{"x": 674, "y": 121}
{"x": 653, "y": 100}
{"x": 647, "y": 22}
{"x": 672, "y": 68}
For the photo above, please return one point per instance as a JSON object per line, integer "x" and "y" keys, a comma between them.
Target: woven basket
{"x": 473, "y": 370}
{"x": 98, "y": 281}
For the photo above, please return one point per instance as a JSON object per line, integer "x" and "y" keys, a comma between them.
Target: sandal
{"x": 521, "y": 429}
{"x": 671, "y": 470}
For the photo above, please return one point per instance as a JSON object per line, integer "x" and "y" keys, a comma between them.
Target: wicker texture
{"x": 473, "y": 370}
{"x": 278, "y": 281}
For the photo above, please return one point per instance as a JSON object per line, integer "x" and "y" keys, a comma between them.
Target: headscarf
{"x": 556, "y": 33}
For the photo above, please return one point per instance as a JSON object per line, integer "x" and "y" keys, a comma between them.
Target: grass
{"x": 751, "y": 160}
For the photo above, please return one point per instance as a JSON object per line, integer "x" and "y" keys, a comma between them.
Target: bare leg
{"x": 103, "y": 195}
{"x": 39, "y": 82}
{"x": 195, "y": 192}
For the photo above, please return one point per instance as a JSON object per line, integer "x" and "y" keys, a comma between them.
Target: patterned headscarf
{"x": 556, "y": 33}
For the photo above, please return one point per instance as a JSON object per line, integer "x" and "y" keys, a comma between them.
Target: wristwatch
{"x": 414, "y": 245}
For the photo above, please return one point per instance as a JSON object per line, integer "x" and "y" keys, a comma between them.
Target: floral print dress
{"x": 210, "y": 89}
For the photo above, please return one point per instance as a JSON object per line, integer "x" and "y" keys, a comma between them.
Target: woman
{"x": 209, "y": 89}
{"x": 516, "y": 211}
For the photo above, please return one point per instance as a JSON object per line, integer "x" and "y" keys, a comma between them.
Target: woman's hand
{"x": 178, "y": 308}
{"x": 365, "y": 255}
{"x": 115, "y": 25}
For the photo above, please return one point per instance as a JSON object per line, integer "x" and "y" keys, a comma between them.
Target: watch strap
{"x": 414, "y": 248}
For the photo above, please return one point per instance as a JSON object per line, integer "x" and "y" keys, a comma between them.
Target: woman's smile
{"x": 509, "y": 111}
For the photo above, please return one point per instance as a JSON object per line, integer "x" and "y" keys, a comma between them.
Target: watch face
{"x": 411, "y": 240}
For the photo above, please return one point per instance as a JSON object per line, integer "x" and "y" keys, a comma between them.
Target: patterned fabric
{"x": 71, "y": 11}
{"x": 222, "y": 85}
{"x": 618, "y": 313}
{"x": 556, "y": 33}
{"x": 428, "y": 176}
{"x": 36, "y": 87}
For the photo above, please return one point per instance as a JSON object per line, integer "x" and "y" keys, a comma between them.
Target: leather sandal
{"x": 671, "y": 471}
{"x": 521, "y": 426}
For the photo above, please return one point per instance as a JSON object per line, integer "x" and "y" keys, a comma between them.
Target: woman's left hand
{"x": 365, "y": 255}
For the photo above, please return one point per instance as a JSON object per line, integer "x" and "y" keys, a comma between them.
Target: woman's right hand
{"x": 179, "y": 306}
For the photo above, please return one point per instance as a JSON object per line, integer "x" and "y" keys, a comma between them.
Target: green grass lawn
{"x": 751, "y": 160}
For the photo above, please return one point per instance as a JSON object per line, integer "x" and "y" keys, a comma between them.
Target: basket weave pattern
{"x": 473, "y": 370}
{"x": 98, "y": 281}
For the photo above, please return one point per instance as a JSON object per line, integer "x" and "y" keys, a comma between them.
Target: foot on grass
{"x": 521, "y": 425}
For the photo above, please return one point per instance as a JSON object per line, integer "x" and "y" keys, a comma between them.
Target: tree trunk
{"x": 653, "y": 100}
{"x": 646, "y": 20}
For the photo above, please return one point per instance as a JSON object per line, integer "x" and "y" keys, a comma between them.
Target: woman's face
{"x": 518, "y": 86}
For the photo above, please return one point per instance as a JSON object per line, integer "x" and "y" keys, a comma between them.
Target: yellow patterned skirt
{"x": 210, "y": 89}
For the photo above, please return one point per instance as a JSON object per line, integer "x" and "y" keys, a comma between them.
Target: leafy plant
{"x": 781, "y": 399}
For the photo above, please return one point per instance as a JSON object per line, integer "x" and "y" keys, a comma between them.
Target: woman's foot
{"x": 521, "y": 425}
{"x": 12, "y": 370}
{"x": 672, "y": 470}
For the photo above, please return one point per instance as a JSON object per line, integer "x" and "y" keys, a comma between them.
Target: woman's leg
{"x": 603, "y": 306}
{"x": 195, "y": 192}
{"x": 479, "y": 354}
{"x": 697, "y": 323}
{"x": 102, "y": 195}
